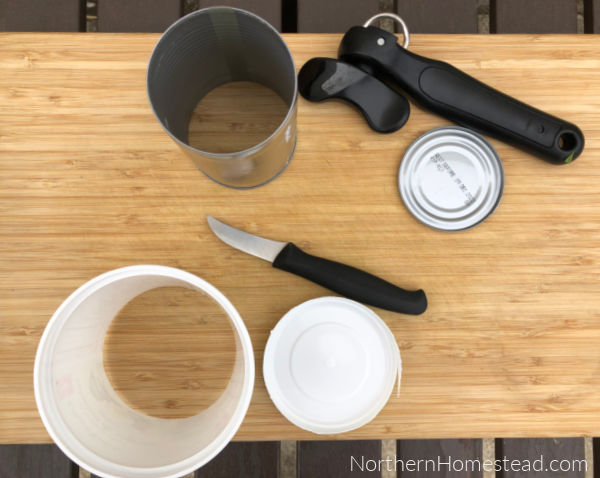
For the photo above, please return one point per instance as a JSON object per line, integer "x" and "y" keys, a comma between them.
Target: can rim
{"x": 255, "y": 148}
{"x": 474, "y": 137}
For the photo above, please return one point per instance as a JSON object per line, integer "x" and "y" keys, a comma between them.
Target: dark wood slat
{"x": 533, "y": 448}
{"x": 591, "y": 16}
{"x": 137, "y": 15}
{"x": 439, "y": 16}
{"x": 270, "y": 10}
{"x": 596, "y": 457}
{"x": 289, "y": 16}
{"x": 440, "y": 458}
{"x": 244, "y": 460}
{"x": 334, "y": 16}
{"x": 35, "y": 461}
{"x": 533, "y": 16}
{"x": 333, "y": 459}
{"x": 42, "y": 15}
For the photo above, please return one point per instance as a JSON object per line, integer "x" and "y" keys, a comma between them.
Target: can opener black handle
{"x": 450, "y": 92}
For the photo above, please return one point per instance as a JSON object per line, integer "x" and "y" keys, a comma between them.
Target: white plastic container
{"x": 330, "y": 365}
{"x": 91, "y": 423}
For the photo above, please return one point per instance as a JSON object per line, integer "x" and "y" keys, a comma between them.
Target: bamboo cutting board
{"x": 510, "y": 344}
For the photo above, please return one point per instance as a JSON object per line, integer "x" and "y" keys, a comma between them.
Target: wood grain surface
{"x": 184, "y": 352}
{"x": 258, "y": 112}
{"x": 509, "y": 345}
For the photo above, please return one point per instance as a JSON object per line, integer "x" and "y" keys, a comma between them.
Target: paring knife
{"x": 345, "y": 280}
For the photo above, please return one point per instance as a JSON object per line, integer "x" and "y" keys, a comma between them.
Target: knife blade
{"x": 341, "y": 278}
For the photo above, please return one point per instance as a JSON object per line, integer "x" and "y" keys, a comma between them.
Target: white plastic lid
{"x": 330, "y": 365}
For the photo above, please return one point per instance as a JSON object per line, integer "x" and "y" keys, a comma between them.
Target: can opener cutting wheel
{"x": 370, "y": 56}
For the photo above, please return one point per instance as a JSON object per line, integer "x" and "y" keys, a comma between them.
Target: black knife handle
{"x": 448, "y": 91}
{"x": 350, "y": 282}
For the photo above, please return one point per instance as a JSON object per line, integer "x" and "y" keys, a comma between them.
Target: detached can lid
{"x": 451, "y": 179}
{"x": 330, "y": 365}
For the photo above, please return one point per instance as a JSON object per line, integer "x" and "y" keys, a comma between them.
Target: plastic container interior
{"x": 86, "y": 417}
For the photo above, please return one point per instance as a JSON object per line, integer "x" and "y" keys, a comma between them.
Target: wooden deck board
{"x": 440, "y": 458}
{"x": 137, "y": 15}
{"x": 244, "y": 460}
{"x": 533, "y": 16}
{"x": 42, "y": 15}
{"x": 539, "y": 458}
{"x": 35, "y": 461}
{"x": 338, "y": 459}
{"x": 451, "y": 16}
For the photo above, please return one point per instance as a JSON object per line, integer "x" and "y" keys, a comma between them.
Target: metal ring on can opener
{"x": 398, "y": 20}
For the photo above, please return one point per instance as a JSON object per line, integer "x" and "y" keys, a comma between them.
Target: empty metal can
{"x": 206, "y": 49}
{"x": 451, "y": 179}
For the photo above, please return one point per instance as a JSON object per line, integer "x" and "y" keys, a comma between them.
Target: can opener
{"x": 445, "y": 90}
